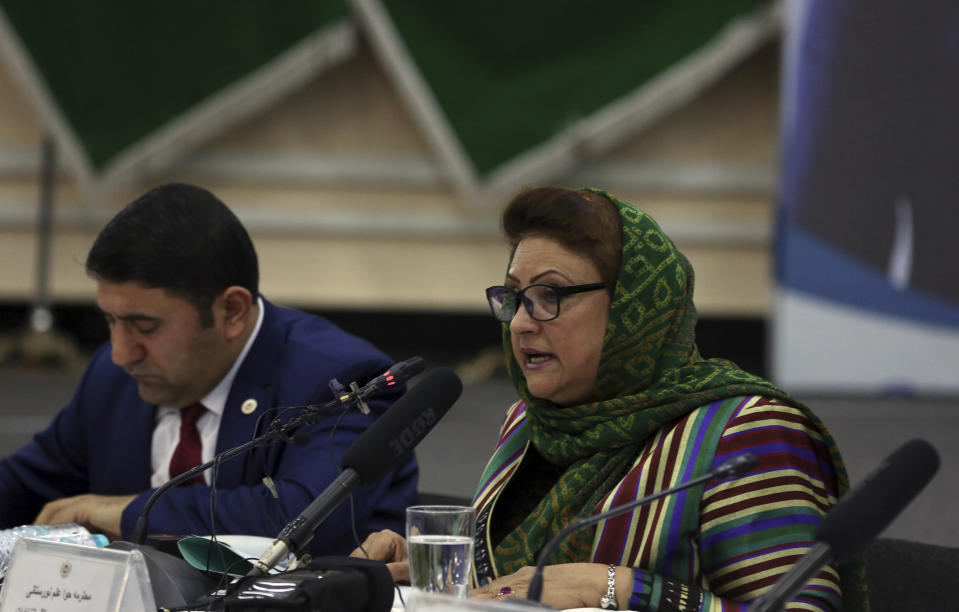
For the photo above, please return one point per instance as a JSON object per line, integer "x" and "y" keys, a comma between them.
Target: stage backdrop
{"x": 867, "y": 249}
{"x": 505, "y": 93}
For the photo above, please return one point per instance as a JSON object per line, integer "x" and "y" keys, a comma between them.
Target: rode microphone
{"x": 370, "y": 457}
{"x": 858, "y": 518}
{"x": 731, "y": 468}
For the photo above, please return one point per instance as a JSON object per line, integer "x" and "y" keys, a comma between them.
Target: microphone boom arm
{"x": 139, "y": 531}
{"x": 277, "y": 432}
{"x": 307, "y": 416}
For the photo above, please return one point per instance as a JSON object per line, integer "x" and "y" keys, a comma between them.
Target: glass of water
{"x": 439, "y": 541}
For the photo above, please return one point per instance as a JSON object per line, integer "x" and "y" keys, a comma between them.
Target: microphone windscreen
{"x": 869, "y": 507}
{"x": 381, "y": 447}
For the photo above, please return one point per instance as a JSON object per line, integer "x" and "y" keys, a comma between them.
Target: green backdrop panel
{"x": 510, "y": 74}
{"x": 119, "y": 69}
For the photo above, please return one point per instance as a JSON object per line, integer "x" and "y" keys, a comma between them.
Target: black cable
{"x": 256, "y": 432}
{"x": 214, "y": 475}
{"x": 356, "y": 540}
{"x": 336, "y": 465}
{"x": 356, "y": 536}
{"x": 223, "y": 583}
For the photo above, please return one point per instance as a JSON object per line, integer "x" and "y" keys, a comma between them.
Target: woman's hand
{"x": 389, "y": 547}
{"x": 568, "y": 585}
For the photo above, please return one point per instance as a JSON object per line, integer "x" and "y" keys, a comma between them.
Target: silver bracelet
{"x": 608, "y": 601}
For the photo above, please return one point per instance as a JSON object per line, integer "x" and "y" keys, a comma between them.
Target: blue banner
{"x": 869, "y": 201}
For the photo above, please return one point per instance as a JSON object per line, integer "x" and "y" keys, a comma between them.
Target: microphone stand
{"x": 398, "y": 373}
{"x": 276, "y": 433}
{"x": 736, "y": 466}
{"x": 369, "y": 458}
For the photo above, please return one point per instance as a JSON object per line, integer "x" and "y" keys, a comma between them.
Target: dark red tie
{"x": 189, "y": 451}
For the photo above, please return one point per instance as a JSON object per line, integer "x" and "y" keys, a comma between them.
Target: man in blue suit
{"x": 177, "y": 282}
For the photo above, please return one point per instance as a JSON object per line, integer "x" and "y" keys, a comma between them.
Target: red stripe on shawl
{"x": 738, "y": 442}
{"x": 768, "y": 498}
{"x": 740, "y": 591}
{"x": 643, "y": 554}
{"x": 756, "y": 437}
{"x": 801, "y": 547}
{"x": 752, "y": 569}
{"x": 785, "y": 459}
{"x": 489, "y": 491}
{"x": 513, "y": 419}
{"x": 753, "y": 415}
{"x": 767, "y": 483}
{"x": 616, "y": 530}
{"x": 669, "y": 462}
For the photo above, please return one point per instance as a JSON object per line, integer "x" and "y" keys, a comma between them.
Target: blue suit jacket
{"x": 100, "y": 443}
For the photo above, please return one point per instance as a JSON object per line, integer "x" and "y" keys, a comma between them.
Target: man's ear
{"x": 234, "y": 307}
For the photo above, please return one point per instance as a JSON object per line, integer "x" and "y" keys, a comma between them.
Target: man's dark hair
{"x": 582, "y": 221}
{"x": 179, "y": 238}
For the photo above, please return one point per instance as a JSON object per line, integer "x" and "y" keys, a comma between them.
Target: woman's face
{"x": 559, "y": 358}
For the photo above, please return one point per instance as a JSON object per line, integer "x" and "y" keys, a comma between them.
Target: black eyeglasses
{"x": 540, "y": 301}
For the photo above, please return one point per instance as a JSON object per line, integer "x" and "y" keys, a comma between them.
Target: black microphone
{"x": 370, "y": 457}
{"x": 858, "y": 518}
{"x": 398, "y": 373}
{"x": 731, "y": 468}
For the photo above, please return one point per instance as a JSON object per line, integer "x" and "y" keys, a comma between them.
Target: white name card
{"x": 47, "y": 576}
{"x": 418, "y": 601}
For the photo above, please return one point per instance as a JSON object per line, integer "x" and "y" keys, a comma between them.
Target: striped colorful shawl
{"x": 720, "y": 541}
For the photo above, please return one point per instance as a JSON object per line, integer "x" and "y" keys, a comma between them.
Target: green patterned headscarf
{"x": 650, "y": 374}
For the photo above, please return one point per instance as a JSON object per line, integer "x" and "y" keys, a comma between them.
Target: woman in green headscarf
{"x": 616, "y": 403}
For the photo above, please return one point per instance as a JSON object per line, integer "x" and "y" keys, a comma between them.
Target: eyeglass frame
{"x": 560, "y": 292}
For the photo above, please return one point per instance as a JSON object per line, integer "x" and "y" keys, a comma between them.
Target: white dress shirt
{"x": 166, "y": 430}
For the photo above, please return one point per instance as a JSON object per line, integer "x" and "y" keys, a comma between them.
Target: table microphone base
{"x": 175, "y": 582}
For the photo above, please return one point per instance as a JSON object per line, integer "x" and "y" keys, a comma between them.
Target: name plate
{"x": 418, "y": 601}
{"x": 47, "y": 576}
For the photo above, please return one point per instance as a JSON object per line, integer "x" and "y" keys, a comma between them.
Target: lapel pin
{"x": 248, "y": 406}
